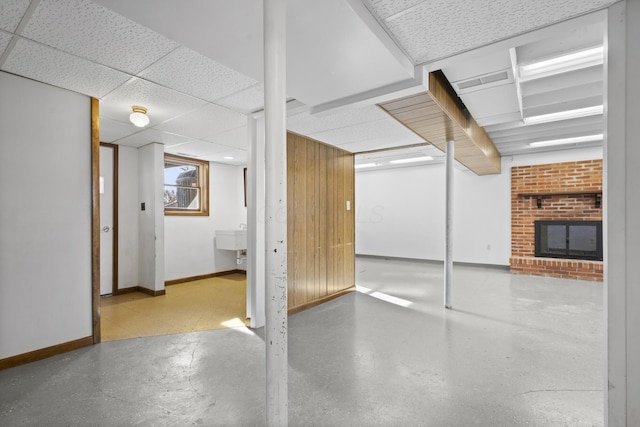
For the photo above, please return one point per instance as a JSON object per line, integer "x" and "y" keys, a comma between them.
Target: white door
{"x": 106, "y": 220}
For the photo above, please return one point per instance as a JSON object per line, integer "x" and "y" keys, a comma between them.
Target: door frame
{"x": 114, "y": 228}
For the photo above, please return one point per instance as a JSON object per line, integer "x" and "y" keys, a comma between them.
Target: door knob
{"x": 105, "y": 229}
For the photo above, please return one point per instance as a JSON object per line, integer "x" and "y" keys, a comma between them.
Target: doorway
{"x": 108, "y": 219}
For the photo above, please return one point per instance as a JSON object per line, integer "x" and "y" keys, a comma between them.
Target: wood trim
{"x": 115, "y": 227}
{"x": 203, "y": 166}
{"x": 43, "y": 353}
{"x": 306, "y": 306}
{"x": 203, "y": 276}
{"x": 562, "y": 193}
{"x": 150, "y": 291}
{"x": 126, "y": 290}
{"x": 95, "y": 219}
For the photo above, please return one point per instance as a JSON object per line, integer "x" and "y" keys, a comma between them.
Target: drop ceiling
{"x": 198, "y": 69}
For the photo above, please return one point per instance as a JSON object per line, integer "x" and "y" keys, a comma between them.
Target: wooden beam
{"x": 438, "y": 116}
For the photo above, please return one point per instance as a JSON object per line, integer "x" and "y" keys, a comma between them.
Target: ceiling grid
{"x": 198, "y": 92}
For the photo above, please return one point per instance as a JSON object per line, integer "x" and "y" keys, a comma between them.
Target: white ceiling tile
{"x": 4, "y": 41}
{"x": 387, "y": 8}
{"x": 436, "y": 28}
{"x": 11, "y": 12}
{"x": 380, "y": 143}
{"x": 162, "y": 104}
{"x": 237, "y": 138}
{"x": 246, "y": 101}
{"x": 196, "y": 75}
{"x": 113, "y": 130}
{"x": 147, "y": 136}
{"x": 206, "y": 121}
{"x": 198, "y": 149}
{"x": 387, "y": 129}
{"x": 239, "y": 157}
{"x": 306, "y": 124}
{"x": 57, "y": 68}
{"x": 493, "y": 101}
{"x": 84, "y": 28}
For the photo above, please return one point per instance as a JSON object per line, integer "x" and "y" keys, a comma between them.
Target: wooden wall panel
{"x": 320, "y": 180}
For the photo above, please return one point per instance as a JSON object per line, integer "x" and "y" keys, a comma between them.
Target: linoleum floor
{"x": 200, "y": 305}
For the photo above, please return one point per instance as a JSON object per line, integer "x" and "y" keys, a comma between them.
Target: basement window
{"x": 186, "y": 186}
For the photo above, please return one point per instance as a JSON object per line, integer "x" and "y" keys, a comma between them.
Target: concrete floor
{"x": 515, "y": 351}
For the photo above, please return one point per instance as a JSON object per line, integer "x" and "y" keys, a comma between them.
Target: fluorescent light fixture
{"x": 564, "y": 115}
{"x": 562, "y": 64}
{"x": 228, "y": 158}
{"x": 412, "y": 160}
{"x": 574, "y": 140}
{"x": 365, "y": 165}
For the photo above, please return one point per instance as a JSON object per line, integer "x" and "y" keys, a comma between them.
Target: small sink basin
{"x": 234, "y": 240}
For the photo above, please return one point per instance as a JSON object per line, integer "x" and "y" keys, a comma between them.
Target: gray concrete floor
{"x": 514, "y": 351}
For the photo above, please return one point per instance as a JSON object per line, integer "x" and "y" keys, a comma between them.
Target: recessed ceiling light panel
{"x": 412, "y": 160}
{"x": 365, "y": 165}
{"x": 563, "y": 141}
{"x": 562, "y": 64}
{"x": 564, "y": 115}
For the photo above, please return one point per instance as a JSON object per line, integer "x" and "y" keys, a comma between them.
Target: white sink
{"x": 234, "y": 240}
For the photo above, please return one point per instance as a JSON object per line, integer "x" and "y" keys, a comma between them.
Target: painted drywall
{"x": 400, "y": 211}
{"x": 621, "y": 217}
{"x": 151, "y": 220}
{"x": 190, "y": 241}
{"x": 128, "y": 207}
{"x": 45, "y": 216}
{"x": 256, "y": 252}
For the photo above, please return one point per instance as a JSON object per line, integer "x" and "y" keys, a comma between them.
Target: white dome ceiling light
{"x": 139, "y": 116}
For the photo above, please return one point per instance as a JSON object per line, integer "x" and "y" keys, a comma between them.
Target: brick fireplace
{"x": 567, "y": 191}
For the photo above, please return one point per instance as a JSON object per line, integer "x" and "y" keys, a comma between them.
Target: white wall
{"x": 45, "y": 216}
{"x": 400, "y": 211}
{"x": 189, "y": 241}
{"x": 622, "y": 217}
{"x": 128, "y": 208}
{"x": 151, "y": 220}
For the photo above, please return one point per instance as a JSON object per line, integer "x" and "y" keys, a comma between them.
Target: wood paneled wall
{"x": 321, "y": 231}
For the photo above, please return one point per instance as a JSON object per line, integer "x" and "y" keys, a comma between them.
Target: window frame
{"x": 203, "y": 185}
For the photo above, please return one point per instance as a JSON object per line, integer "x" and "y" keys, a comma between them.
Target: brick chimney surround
{"x": 557, "y": 191}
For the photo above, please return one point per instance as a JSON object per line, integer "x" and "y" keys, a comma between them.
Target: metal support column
{"x": 276, "y": 213}
{"x": 448, "y": 244}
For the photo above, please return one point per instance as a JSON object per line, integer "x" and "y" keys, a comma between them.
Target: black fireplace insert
{"x": 569, "y": 239}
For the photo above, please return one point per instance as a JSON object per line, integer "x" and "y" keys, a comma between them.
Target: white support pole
{"x": 448, "y": 242}
{"x": 276, "y": 212}
{"x": 255, "y": 222}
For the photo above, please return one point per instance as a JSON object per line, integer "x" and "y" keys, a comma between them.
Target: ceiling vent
{"x": 483, "y": 82}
